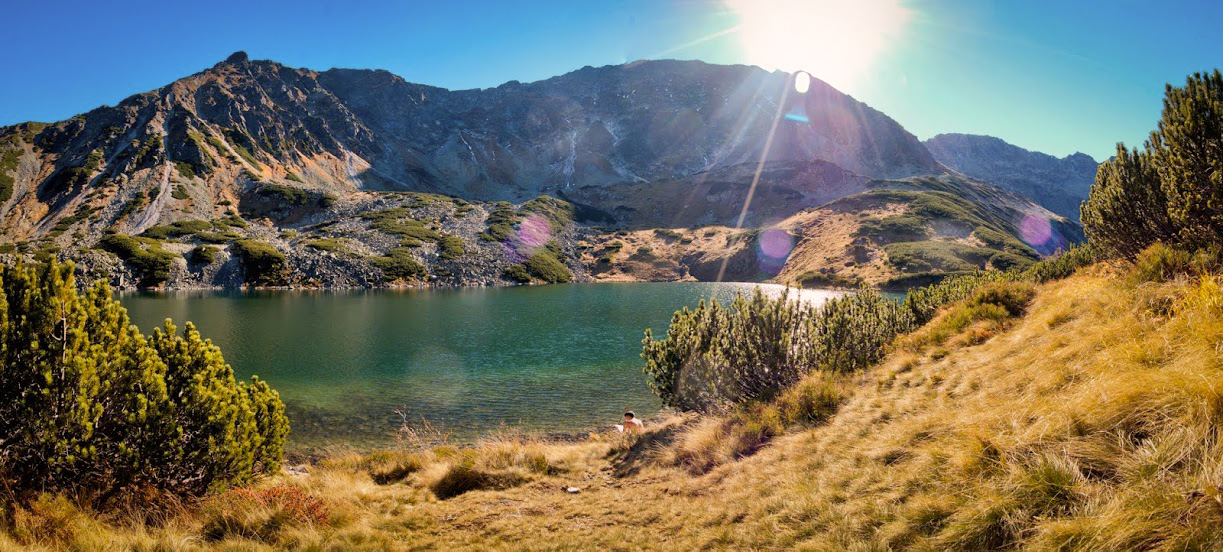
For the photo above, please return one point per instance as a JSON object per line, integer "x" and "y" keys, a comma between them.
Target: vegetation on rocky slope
{"x": 145, "y": 255}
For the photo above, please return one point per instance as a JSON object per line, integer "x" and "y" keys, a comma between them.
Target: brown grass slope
{"x": 1090, "y": 422}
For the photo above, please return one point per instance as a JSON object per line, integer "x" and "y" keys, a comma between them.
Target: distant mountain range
{"x": 259, "y": 141}
{"x": 1058, "y": 184}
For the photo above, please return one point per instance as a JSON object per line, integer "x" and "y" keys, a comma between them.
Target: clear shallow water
{"x": 557, "y": 358}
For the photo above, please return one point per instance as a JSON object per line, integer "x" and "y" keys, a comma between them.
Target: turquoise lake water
{"x": 559, "y": 358}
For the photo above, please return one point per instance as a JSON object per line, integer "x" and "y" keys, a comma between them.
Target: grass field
{"x": 1089, "y": 422}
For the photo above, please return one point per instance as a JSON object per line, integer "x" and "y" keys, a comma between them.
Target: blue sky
{"x": 1054, "y": 76}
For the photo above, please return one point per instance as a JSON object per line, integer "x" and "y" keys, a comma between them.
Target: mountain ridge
{"x": 1060, "y": 184}
{"x": 301, "y": 151}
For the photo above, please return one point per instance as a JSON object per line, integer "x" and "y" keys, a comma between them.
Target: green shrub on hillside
{"x": 1159, "y": 263}
{"x": 177, "y": 229}
{"x": 394, "y": 221}
{"x": 1170, "y": 191}
{"x": 500, "y": 222}
{"x": 76, "y": 177}
{"x": 203, "y": 254}
{"x": 544, "y": 266}
{"x": 184, "y": 169}
{"x": 285, "y": 195}
{"x": 1127, "y": 209}
{"x": 927, "y": 256}
{"x": 1008, "y": 261}
{"x": 992, "y": 303}
{"x": 149, "y": 149}
{"x": 241, "y": 144}
{"x": 812, "y": 279}
{"x": 137, "y": 201}
{"x": 8, "y": 166}
{"x": 896, "y": 228}
{"x": 559, "y": 213}
{"x": 232, "y": 220}
{"x": 150, "y": 262}
{"x": 398, "y": 264}
{"x": 103, "y": 410}
{"x": 217, "y": 237}
{"x": 450, "y": 247}
{"x": 327, "y": 244}
{"x": 667, "y": 234}
{"x": 414, "y": 233}
{"x": 82, "y": 213}
{"x": 264, "y": 265}
{"x": 517, "y": 273}
{"x": 713, "y": 357}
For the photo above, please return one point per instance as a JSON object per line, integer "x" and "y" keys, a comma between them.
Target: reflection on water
{"x": 547, "y": 358}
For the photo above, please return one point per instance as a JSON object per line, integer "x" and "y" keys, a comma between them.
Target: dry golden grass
{"x": 1092, "y": 422}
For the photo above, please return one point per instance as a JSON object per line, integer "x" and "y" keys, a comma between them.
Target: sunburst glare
{"x": 838, "y": 41}
{"x": 802, "y": 82}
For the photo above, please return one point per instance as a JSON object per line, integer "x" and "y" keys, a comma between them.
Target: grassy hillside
{"x": 1088, "y": 421}
{"x": 896, "y": 234}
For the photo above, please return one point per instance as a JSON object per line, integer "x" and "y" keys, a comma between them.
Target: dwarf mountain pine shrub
{"x": 1172, "y": 189}
{"x": 88, "y": 405}
{"x": 714, "y": 356}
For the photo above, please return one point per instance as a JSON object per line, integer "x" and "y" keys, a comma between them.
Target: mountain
{"x": 351, "y": 177}
{"x": 345, "y": 130}
{"x": 1057, "y": 184}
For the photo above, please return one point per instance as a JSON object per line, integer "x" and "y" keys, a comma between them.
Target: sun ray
{"x": 835, "y": 40}
{"x": 764, "y": 155}
{"x": 695, "y": 42}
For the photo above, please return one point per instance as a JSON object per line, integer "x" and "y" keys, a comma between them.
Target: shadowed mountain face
{"x": 1059, "y": 185}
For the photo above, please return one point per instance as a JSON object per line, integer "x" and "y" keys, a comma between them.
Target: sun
{"x": 837, "y": 41}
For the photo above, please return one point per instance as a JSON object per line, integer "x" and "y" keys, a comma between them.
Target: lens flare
{"x": 774, "y": 248}
{"x": 534, "y": 232}
{"x": 802, "y": 82}
{"x": 530, "y": 234}
{"x": 1035, "y": 230}
{"x": 839, "y": 41}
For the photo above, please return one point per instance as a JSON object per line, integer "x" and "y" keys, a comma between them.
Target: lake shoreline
{"x": 554, "y": 360}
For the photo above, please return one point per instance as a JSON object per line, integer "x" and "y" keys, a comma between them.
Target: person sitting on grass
{"x": 631, "y": 423}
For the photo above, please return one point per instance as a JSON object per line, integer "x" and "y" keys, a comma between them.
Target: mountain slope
{"x": 1059, "y": 185}
{"x": 816, "y": 225}
{"x": 342, "y": 130}
{"x": 253, "y": 161}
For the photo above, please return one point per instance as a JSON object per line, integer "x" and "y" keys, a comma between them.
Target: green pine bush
{"x": 264, "y": 265}
{"x": 1170, "y": 191}
{"x": 714, "y": 357}
{"x": 90, "y": 406}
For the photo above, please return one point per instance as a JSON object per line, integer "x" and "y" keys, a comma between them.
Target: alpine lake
{"x": 352, "y": 366}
